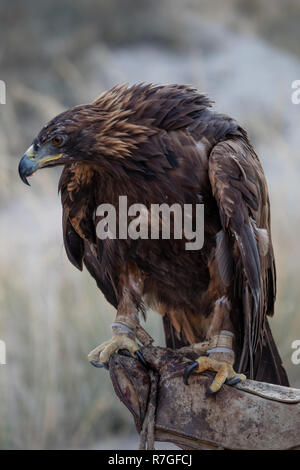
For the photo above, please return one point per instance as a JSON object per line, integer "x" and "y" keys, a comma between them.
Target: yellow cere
{"x": 49, "y": 159}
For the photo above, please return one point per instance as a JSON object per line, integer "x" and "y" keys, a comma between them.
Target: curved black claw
{"x": 208, "y": 392}
{"x": 100, "y": 365}
{"x": 234, "y": 381}
{"x": 188, "y": 371}
{"x": 141, "y": 358}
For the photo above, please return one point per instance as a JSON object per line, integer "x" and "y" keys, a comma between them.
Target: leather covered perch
{"x": 253, "y": 415}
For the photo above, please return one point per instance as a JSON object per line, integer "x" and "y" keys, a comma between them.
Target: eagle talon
{"x": 233, "y": 381}
{"x": 99, "y": 365}
{"x": 141, "y": 358}
{"x": 224, "y": 373}
{"x": 100, "y": 356}
{"x": 188, "y": 371}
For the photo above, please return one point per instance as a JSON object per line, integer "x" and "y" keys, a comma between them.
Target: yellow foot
{"x": 99, "y": 357}
{"x": 224, "y": 373}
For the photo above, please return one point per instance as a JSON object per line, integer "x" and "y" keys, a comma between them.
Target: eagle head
{"x": 67, "y": 138}
{"x": 104, "y": 128}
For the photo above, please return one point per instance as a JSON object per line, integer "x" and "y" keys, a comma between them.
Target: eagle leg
{"x": 224, "y": 373}
{"x": 126, "y": 323}
{"x": 99, "y": 357}
{"x": 220, "y": 355}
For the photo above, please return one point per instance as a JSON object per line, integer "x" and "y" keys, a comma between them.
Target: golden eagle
{"x": 164, "y": 144}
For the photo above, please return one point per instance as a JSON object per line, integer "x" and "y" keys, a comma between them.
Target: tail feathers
{"x": 267, "y": 362}
{"x": 173, "y": 339}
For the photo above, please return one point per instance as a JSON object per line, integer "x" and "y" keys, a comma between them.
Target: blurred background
{"x": 54, "y": 55}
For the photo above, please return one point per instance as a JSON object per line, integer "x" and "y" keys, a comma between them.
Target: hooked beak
{"x": 31, "y": 162}
{"x": 27, "y": 166}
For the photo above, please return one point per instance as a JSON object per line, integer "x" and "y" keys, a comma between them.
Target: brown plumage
{"x": 159, "y": 144}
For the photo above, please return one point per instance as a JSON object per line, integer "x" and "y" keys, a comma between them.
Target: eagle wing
{"x": 240, "y": 189}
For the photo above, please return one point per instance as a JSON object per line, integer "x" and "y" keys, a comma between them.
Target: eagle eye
{"x": 57, "y": 140}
